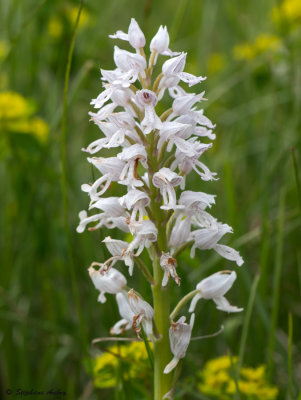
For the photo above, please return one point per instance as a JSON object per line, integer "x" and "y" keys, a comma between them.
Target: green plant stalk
{"x": 290, "y": 355}
{"x": 161, "y": 296}
{"x": 246, "y": 324}
{"x": 182, "y": 302}
{"x": 162, "y": 354}
{"x": 276, "y": 283}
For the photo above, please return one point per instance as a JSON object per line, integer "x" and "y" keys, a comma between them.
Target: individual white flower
{"x": 207, "y": 238}
{"x": 194, "y": 204}
{"x": 132, "y": 155}
{"x": 136, "y": 200}
{"x": 182, "y": 105}
{"x": 119, "y": 251}
{"x": 118, "y": 78}
{"x": 110, "y": 168}
{"x": 169, "y": 265}
{"x": 186, "y": 162}
{"x": 176, "y": 133}
{"x": 123, "y": 124}
{"x": 172, "y": 71}
{"x": 147, "y": 100}
{"x": 144, "y": 313}
{"x": 107, "y": 281}
{"x": 179, "y": 337}
{"x": 160, "y": 42}
{"x": 145, "y": 232}
{"x": 101, "y": 116}
{"x": 192, "y": 213}
{"x": 196, "y": 200}
{"x": 134, "y": 36}
{"x": 180, "y": 233}
{"x": 112, "y": 211}
{"x": 165, "y": 179}
{"x": 126, "y": 313}
{"x": 129, "y": 64}
{"x": 214, "y": 288}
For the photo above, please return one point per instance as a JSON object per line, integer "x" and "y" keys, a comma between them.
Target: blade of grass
{"x": 276, "y": 282}
{"x": 290, "y": 356}
{"x": 246, "y": 324}
{"x": 148, "y": 349}
{"x": 298, "y": 184}
{"x": 64, "y": 185}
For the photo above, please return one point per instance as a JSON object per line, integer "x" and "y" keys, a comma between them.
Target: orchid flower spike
{"x": 213, "y": 288}
{"x": 141, "y": 159}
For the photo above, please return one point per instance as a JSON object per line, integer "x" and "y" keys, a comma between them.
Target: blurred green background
{"x": 251, "y": 53}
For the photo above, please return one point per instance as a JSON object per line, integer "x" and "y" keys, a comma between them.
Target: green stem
{"x": 276, "y": 284}
{"x": 157, "y": 82}
{"x": 161, "y": 296}
{"x": 245, "y": 329}
{"x": 143, "y": 268}
{"x": 166, "y": 114}
{"x": 182, "y": 303}
{"x": 290, "y": 355}
{"x": 162, "y": 353}
{"x": 182, "y": 248}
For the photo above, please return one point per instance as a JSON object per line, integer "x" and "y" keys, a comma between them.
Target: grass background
{"x": 256, "y": 106}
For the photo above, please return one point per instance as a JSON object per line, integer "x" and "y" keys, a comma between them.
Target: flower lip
{"x": 146, "y": 97}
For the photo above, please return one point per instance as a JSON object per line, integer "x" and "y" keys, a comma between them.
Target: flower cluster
{"x": 217, "y": 380}
{"x": 150, "y": 156}
{"x": 17, "y": 116}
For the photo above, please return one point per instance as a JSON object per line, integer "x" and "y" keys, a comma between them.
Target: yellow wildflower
{"x": 266, "y": 42}
{"x": 34, "y": 126}
{"x": 15, "y": 116}
{"x": 288, "y": 11}
{"x": 71, "y": 13}
{"x": 55, "y": 28}
{"x": 243, "y": 51}
{"x": 13, "y": 105}
{"x": 217, "y": 380}
{"x": 267, "y": 393}
{"x": 133, "y": 354}
{"x": 216, "y": 63}
{"x": 253, "y": 374}
{"x": 263, "y": 43}
{"x": 217, "y": 364}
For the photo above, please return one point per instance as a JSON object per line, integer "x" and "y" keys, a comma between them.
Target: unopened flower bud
{"x": 136, "y": 36}
{"x": 160, "y": 41}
